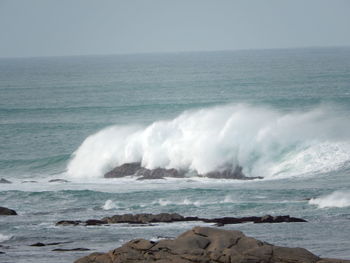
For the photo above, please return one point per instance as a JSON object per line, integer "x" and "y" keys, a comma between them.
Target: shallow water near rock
{"x": 280, "y": 114}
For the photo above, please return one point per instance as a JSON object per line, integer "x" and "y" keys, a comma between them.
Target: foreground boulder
{"x": 205, "y": 245}
{"x": 4, "y": 211}
{"x": 136, "y": 169}
{"x": 174, "y": 217}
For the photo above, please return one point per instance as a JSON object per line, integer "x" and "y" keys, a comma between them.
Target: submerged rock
{"x": 136, "y": 169}
{"x": 4, "y": 181}
{"x": 29, "y": 182}
{"x": 58, "y": 181}
{"x": 4, "y": 211}
{"x": 70, "y": 249}
{"x": 68, "y": 223}
{"x": 204, "y": 244}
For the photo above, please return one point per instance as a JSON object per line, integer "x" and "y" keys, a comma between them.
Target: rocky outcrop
{"x": 230, "y": 173}
{"x": 4, "y": 181}
{"x": 123, "y": 170}
{"x": 4, "y": 211}
{"x": 205, "y": 245}
{"x": 136, "y": 169}
{"x": 174, "y": 217}
{"x": 144, "y": 218}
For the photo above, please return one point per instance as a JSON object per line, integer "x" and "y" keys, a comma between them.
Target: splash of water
{"x": 265, "y": 141}
{"x": 338, "y": 199}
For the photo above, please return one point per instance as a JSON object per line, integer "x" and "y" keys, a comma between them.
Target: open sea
{"x": 280, "y": 114}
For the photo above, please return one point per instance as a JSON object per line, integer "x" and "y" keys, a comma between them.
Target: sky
{"x": 85, "y": 27}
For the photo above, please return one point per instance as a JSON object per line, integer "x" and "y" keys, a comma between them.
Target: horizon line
{"x": 174, "y": 52}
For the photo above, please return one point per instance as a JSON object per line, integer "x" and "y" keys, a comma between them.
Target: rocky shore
{"x": 174, "y": 217}
{"x": 135, "y": 169}
{"x": 206, "y": 245}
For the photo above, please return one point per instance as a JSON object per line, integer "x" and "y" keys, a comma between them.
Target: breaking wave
{"x": 338, "y": 199}
{"x": 4, "y": 238}
{"x": 264, "y": 141}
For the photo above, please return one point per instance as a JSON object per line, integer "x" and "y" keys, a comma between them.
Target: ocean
{"x": 282, "y": 114}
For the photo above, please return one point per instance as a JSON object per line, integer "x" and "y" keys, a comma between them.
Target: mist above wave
{"x": 264, "y": 141}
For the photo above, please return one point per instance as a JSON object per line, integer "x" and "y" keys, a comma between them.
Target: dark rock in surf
{"x": 68, "y": 223}
{"x": 136, "y": 169}
{"x": 4, "y": 181}
{"x": 204, "y": 244}
{"x": 95, "y": 222}
{"x": 39, "y": 244}
{"x": 4, "y": 211}
{"x": 158, "y": 173}
{"x": 147, "y": 219}
{"x": 58, "y": 181}
{"x": 144, "y": 218}
{"x": 230, "y": 174}
{"x": 31, "y": 182}
{"x": 123, "y": 170}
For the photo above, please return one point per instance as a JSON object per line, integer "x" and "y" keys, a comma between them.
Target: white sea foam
{"x": 189, "y": 202}
{"x": 5, "y": 237}
{"x": 264, "y": 141}
{"x": 336, "y": 199}
{"x": 109, "y": 204}
{"x": 186, "y": 201}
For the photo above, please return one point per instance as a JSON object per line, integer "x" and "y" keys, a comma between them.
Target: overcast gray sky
{"x": 78, "y": 27}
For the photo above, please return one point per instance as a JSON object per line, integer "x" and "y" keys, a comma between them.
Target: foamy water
{"x": 337, "y": 199}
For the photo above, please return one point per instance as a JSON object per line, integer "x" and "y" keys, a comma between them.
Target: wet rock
{"x": 147, "y": 219}
{"x": 160, "y": 173}
{"x": 144, "y": 218}
{"x": 4, "y": 211}
{"x": 95, "y": 222}
{"x": 4, "y": 181}
{"x": 204, "y": 244}
{"x": 123, "y": 170}
{"x": 230, "y": 173}
{"x": 39, "y": 244}
{"x": 68, "y": 223}
{"x": 29, "y": 182}
{"x": 58, "y": 181}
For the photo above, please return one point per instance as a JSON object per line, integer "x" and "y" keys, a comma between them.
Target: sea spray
{"x": 264, "y": 141}
{"x": 338, "y": 199}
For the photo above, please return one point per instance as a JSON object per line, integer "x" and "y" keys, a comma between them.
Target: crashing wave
{"x": 264, "y": 141}
{"x": 338, "y": 199}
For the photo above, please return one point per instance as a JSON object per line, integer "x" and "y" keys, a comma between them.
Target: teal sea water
{"x": 280, "y": 114}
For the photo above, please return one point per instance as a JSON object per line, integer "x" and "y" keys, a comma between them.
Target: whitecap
{"x": 4, "y": 238}
{"x": 109, "y": 204}
{"x": 338, "y": 199}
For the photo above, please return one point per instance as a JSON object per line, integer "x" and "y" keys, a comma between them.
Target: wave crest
{"x": 264, "y": 141}
{"x": 338, "y": 199}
